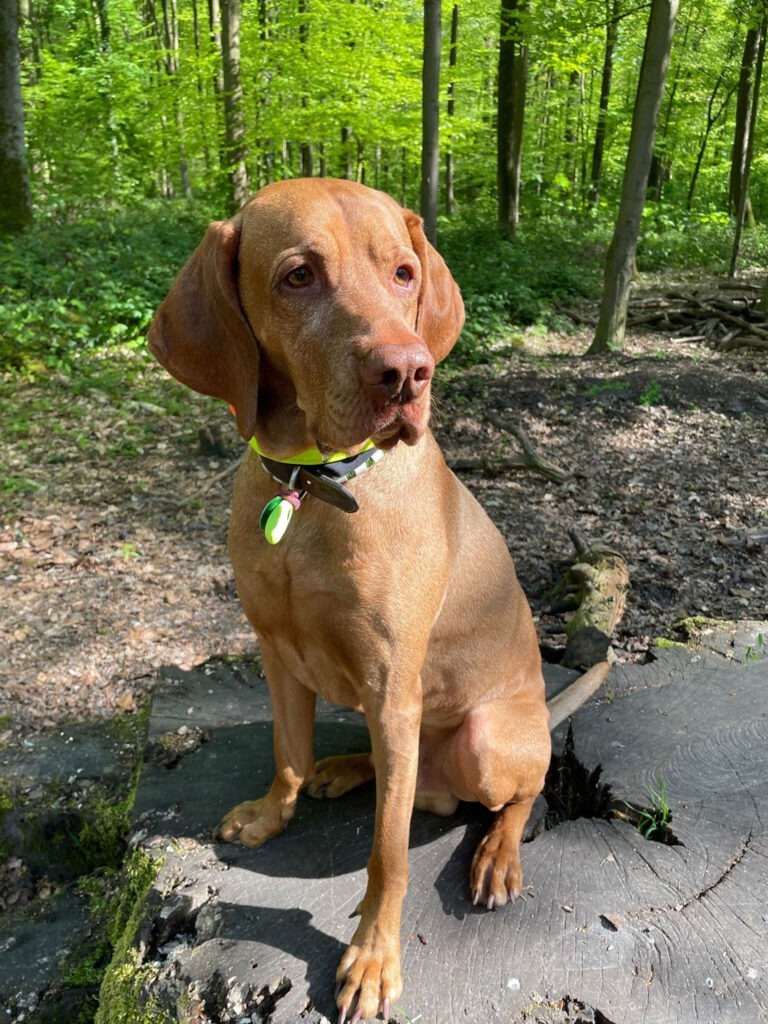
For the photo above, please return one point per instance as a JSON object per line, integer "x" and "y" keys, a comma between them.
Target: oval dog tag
{"x": 277, "y": 514}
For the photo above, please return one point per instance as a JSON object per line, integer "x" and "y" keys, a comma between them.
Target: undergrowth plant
{"x": 652, "y": 821}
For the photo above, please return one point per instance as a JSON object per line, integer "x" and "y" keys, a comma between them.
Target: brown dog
{"x": 319, "y": 313}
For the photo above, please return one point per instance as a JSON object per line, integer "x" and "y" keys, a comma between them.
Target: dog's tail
{"x": 573, "y": 696}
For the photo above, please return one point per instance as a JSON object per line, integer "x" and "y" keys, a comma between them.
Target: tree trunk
{"x": 449, "y": 188}
{"x": 234, "y": 118}
{"x": 512, "y": 80}
{"x": 306, "y": 154}
{"x": 16, "y": 204}
{"x": 346, "y": 150}
{"x": 598, "y": 150}
{"x": 171, "y": 61}
{"x": 712, "y": 118}
{"x": 743, "y": 107}
{"x": 430, "y": 151}
{"x": 619, "y": 263}
{"x": 743, "y": 208}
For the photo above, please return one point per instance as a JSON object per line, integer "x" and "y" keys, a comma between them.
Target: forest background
{"x": 145, "y": 119}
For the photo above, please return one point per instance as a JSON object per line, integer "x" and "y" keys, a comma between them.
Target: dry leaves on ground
{"x": 112, "y": 554}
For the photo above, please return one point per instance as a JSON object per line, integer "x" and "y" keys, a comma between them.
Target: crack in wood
{"x": 725, "y": 874}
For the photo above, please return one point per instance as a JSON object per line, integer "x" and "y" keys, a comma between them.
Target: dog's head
{"x": 318, "y": 312}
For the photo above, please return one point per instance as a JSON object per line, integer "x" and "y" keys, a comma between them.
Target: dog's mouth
{"x": 401, "y": 430}
{"x": 388, "y": 427}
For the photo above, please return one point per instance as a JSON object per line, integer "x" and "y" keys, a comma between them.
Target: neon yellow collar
{"x": 310, "y": 457}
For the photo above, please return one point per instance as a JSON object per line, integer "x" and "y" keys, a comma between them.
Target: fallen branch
{"x": 595, "y": 586}
{"x": 530, "y": 458}
{"x": 564, "y": 704}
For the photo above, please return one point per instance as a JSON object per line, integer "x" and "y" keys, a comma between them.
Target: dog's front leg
{"x": 293, "y": 706}
{"x": 369, "y": 977}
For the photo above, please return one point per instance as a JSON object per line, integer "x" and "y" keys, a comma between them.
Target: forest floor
{"x": 112, "y": 539}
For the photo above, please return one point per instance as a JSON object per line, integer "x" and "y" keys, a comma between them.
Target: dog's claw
{"x": 385, "y": 1009}
{"x": 491, "y": 902}
{"x": 343, "y": 1015}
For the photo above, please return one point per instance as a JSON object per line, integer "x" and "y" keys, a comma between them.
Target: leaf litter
{"x": 113, "y": 556}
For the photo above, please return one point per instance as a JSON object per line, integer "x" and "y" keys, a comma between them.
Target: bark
{"x": 449, "y": 192}
{"x": 512, "y": 81}
{"x": 234, "y": 116}
{"x": 620, "y": 260}
{"x": 743, "y": 208}
{"x": 28, "y": 41}
{"x": 598, "y": 150}
{"x": 430, "y": 151}
{"x": 171, "y": 61}
{"x": 595, "y": 588}
{"x": 713, "y": 116}
{"x": 16, "y": 205}
{"x": 306, "y": 155}
{"x": 743, "y": 107}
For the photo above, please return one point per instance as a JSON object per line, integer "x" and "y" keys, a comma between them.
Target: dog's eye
{"x": 403, "y": 276}
{"x": 299, "y": 277}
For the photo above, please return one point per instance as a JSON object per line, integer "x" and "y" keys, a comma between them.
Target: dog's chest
{"x": 314, "y": 617}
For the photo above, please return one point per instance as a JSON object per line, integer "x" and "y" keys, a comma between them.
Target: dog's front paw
{"x": 368, "y": 981}
{"x": 251, "y": 823}
{"x": 496, "y": 875}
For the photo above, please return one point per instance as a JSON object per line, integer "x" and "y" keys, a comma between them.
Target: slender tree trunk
{"x": 430, "y": 151}
{"x": 234, "y": 116}
{"x": 573, "y": 130}
{"x": 16, "y": 203}
{"x": 743, "y": 209}
{"x": 171, "y": 60}
{"x": 346, "y": 149}
{"x": 612, "y": 8}
{"x": 743, "y": 107}
{"x": 306, "y": 155}
{"x": 214, "y": 22}
{"x": 712, "y": 118}
{"x": 28, "y": 42}
{"x": 619, "y": 265}
{"x": 512, "y": 81}
{"x": 449, "y": 187}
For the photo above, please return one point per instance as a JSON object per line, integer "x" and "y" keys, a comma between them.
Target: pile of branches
{"x": 731, "y": 315}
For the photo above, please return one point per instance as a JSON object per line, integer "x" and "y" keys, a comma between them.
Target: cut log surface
{"x": 633, "y": 929}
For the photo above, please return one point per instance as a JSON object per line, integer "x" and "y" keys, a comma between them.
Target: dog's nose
{"x": 399, "y": 372}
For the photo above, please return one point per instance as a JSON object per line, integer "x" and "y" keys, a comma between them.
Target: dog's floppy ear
{"x": 200, "y": 333}
{"x": 441, "y": 309}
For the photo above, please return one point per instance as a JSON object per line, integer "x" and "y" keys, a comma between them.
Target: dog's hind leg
{"x": 335, "y": 776}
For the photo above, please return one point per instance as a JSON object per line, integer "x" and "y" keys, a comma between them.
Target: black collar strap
{"x": 325, "y": 481}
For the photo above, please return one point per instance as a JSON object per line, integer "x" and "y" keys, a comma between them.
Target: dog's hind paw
{"x": 335, "y": 776}
{"x": 496, "y": 876}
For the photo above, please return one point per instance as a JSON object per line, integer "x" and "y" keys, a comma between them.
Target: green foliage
{"x": 119, "y": 1000}
{"x": 72, "y": 288}
{"x": 671, "y": 237}
{"x": 755, "y": 652}
{"x": 509, "y": 283}
{"x": 116, "y": 108}
{"x": 651, "y": 394}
